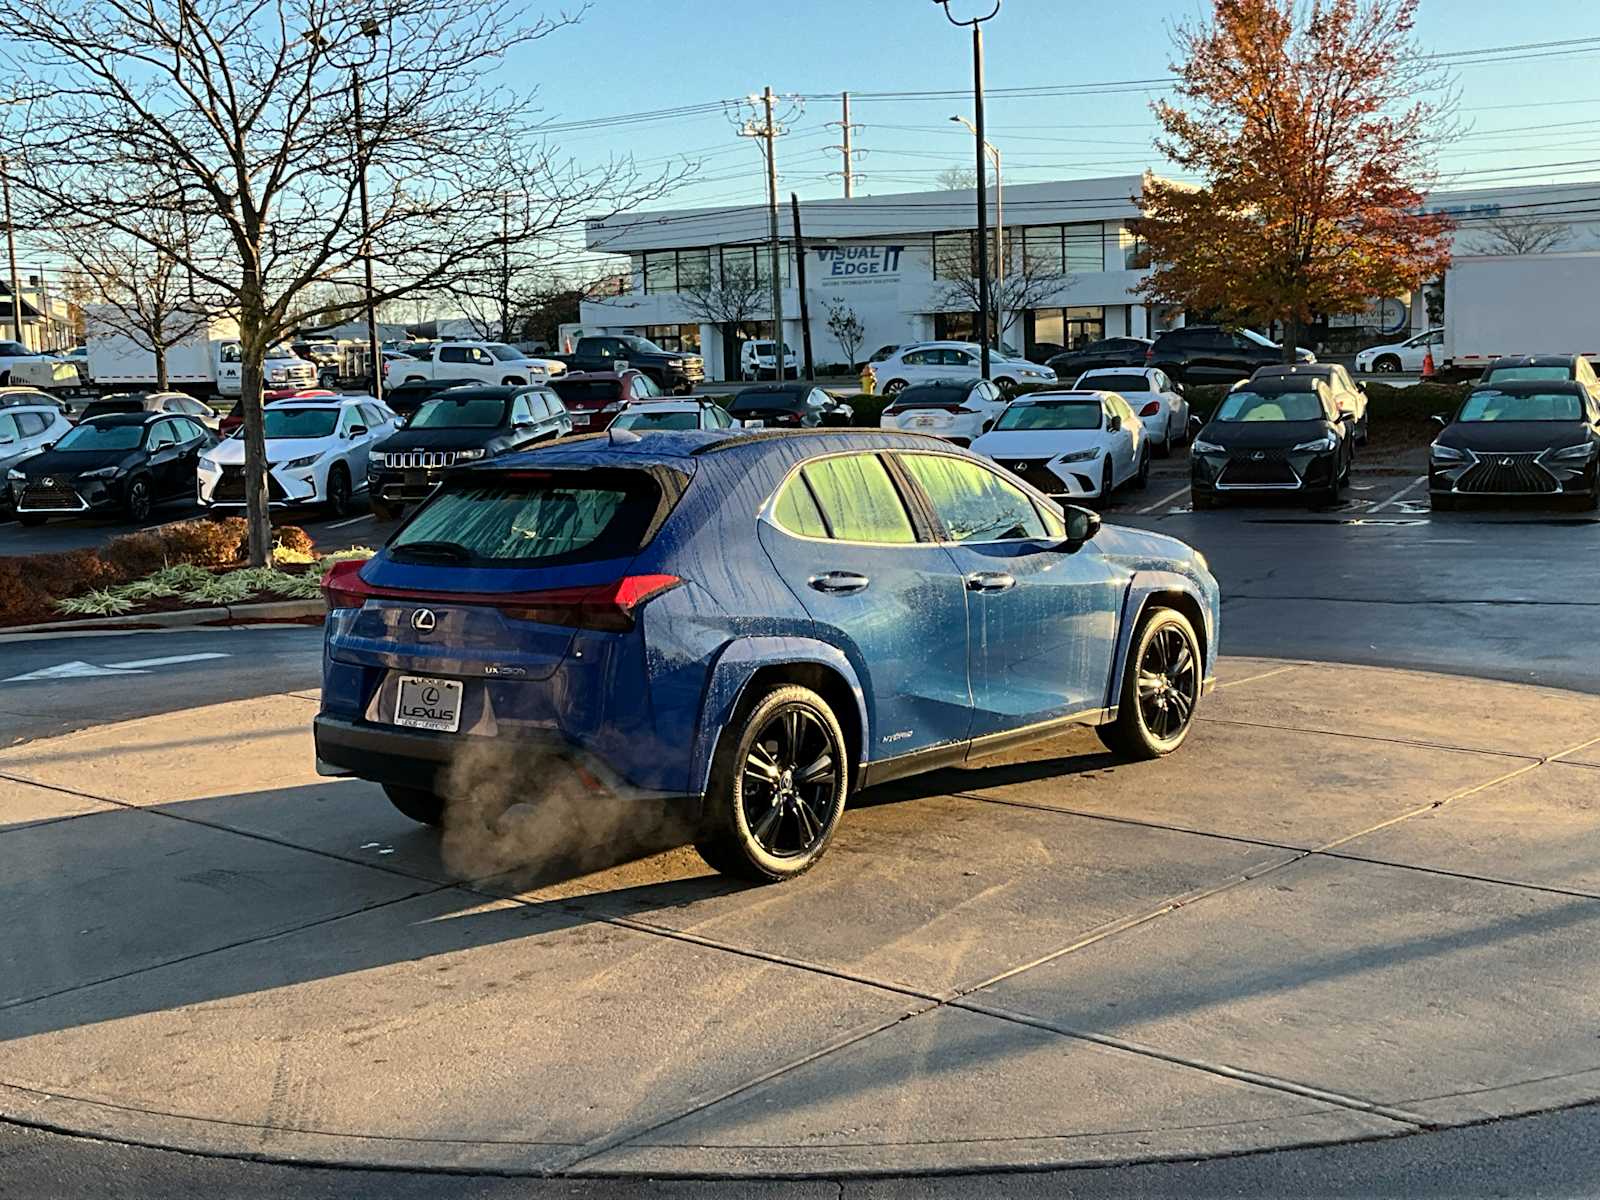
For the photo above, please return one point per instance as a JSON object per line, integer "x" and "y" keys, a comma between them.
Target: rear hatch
{"x": 491, "y": 581}
{"x": 592, "y": 403}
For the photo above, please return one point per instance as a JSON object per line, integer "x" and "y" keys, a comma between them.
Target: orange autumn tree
{"x": 1311, "y": 131}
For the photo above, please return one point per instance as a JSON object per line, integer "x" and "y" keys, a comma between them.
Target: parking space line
{"x": 1400, "y": 495}
{"x": 351, "y": 521}
{"x": 1165, "y": 500}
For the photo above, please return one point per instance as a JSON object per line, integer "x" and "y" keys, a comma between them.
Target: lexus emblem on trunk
{"x": 1020, "y": 467}
{"x": 423, "y": 620}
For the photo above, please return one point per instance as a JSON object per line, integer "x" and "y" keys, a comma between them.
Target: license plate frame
{"x": 428, "y": 702}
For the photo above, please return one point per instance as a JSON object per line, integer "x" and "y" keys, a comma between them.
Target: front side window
{"x": 974, "y": 504}
{"x": 164, "y": 434}
{"x": 453, "y": 354}
{"x": 8, "y": 427}
{"x": 859, "y": 500}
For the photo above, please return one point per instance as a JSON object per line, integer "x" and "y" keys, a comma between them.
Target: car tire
{"x": 1442, "y": 502}
{"x": 1164, "y": 450}
{"x": 1201, "y": 501}
{"x": 1156, "y": 723}
{"x": 31, "y": 520}
{"x": 786, "y": 731}
{"x": 338, "y": 497}
{"x": 1362, "y": 429}
{"x": 1107, "y": 481}
{"x": 1387, "y": 365}
{"x": 1142, "y": 479}
{"x": 513, "y": 381}
{"x": 385, "y": 512}
{"x": 424, "y": 808}
{"x": 894, "y": 387}
{"x": 1007, "y": 386}
{"x": 136, "y": 499}
{"x": 415, "y": 379}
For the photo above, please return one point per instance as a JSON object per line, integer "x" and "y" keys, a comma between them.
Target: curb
{"x": 300, "y": 612}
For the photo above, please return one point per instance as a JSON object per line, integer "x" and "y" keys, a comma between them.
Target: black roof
{"x": 1521, "y": 387}
{"x": 1534, "y": 360}
{"x": 1272, "y": 370}
{"x": 126, "y": 418}
{"x": 1276, "y": 384}
{"x": 487, "y": 391}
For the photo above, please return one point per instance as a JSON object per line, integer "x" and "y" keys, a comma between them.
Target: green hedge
{"x": 1384, "y": 401}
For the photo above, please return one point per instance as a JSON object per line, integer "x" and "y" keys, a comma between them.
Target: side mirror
{"x": 1196, "y": 425}
{"x": 1082, "y": 524}
{"x": 1440, "y": 420}
{"x": 1115, "y": 424}
{"x": 357, "y": 431}
{"x": 1347, "y": 418}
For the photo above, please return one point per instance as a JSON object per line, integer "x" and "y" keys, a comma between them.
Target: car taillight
{"x": 1151, "y": 409}
{"x": 604, "y": 606}
{"x": 1149, "y": 354}
{"x": 343, "y": 587}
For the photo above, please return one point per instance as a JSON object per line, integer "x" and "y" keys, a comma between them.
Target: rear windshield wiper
{"x": 441, "y": 551}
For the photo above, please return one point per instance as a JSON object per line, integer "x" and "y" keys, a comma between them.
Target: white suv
{"x": 316, "y": 453}
{"x": 925, "y": 362}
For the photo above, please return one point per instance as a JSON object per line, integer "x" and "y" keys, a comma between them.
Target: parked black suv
{"x": 1107, "y": 352}
{"x": 125, "y": 462}
{"x": 459, "y": 426}
{"x": 1212, "y": 354}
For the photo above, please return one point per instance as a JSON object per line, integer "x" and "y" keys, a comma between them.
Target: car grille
{"x": 54, "y": 497}
{"x": 419, "y": 460}
{"x": 1500, "y": 473}
{"x": 299, "y": 375}
{"x": 230, "y": 488}
{"x": 1258, "y": 468}
{"x": 1034, "y": 472}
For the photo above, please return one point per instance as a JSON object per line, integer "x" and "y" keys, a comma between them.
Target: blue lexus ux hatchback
{"x": 754, "y": 626}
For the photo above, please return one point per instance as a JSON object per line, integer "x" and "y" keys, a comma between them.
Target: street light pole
{"x": 983, "y": 176}
{"x": 999, "y": 201}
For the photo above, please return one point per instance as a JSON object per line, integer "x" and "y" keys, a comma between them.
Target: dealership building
{"x": 896, "y": 263}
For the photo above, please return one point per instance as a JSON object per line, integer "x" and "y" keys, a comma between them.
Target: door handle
{"x": 839, "y": 582}
{"x": 990, "y": 581}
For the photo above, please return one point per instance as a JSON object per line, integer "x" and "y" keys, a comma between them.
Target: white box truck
{"x": 1496, "y": 304}
{"x": 205, "y": 363}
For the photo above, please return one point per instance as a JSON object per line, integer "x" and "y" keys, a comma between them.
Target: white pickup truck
{"x": 486, "y": 362}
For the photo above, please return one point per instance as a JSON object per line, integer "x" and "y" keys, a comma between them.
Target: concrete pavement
{"x": 1359, "y": 904}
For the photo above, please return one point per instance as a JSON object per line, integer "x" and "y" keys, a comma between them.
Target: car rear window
{"x": 1511, "y": 374}
{"x": 586, "y": 393}
{"x": 658, "y": 420}
{"x": 546, "y": 517}
{"x": 930, "y": 396}
{"x": 1116, "y": 383}
{"x": 100, "y": 408}
{"x": 767, "y": 400}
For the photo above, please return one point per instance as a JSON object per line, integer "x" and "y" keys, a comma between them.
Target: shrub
{"x": 294, "y": 539}
{"x": 208, "y": 543}
{"x": 134, "y": 555}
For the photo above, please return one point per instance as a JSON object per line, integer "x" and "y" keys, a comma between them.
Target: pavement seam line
{"x": 1240, "y": 1074}
{"x": 1368, "y": 737}
{"x": 611, "y": 1141}
{"x": 1117, "y": 819}
{"x": 1546, "y": 888}
{"x": 268, "y": 935}
{"x": 1264, "y": 675}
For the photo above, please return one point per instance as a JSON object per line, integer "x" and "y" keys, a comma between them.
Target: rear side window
{"x": 797, "y": 512}
{"x": 858, "y": 500}
{"x": 544, "y": 519}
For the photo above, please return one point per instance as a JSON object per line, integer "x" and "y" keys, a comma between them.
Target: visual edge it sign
{"x": 856, "y": 263}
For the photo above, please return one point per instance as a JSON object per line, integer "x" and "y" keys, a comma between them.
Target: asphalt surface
{"x": 358, "y": 528}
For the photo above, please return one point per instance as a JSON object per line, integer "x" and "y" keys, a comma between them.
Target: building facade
{"x": 896, "y": 264}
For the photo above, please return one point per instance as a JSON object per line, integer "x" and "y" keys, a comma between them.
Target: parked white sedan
{"x": 1072, "y": 444}
{"x": 925, "y": 362}
{"x": 956, "y": 409}
{"x": 1154, "y": 397}
{"x": 1402, "y": 356}
{"x": 316, "y": 453}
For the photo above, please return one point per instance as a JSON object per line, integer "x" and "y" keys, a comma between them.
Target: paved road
{"x": 75, "y": 533}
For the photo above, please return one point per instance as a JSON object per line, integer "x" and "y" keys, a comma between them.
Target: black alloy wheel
{"x": 1107, "y": 481}
{"x": 1160, "y": 689}
{"x": 136, "y": 499}
{"x": 1142, "y": 479}
{"x": 777, "y": 788}
{"x": 338, "y": 490}
{"x": 894, "y": 387}
{"x": 1387, "y": 365}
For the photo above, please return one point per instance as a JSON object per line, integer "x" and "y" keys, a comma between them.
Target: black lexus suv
{"x": 118, "y": 463}
{"x": 1212, "y": 354}
{"x": 462, "y": 425}
{"x": 1271, "y": 436}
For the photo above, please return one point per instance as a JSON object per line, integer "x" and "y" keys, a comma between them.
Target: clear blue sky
{"x": 635, "y": 55}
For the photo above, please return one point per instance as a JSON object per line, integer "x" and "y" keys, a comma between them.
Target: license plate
{"x": 579, "y": 418}
{"x": 924, "y": 423}
{"x": 755, "y": 423}
{"x": 425, "y": 703}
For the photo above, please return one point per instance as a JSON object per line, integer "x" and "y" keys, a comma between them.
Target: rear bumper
{"x": 419, "y": 758}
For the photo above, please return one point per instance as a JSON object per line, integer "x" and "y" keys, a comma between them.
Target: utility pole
{"x": 505, "y": 268}
{"x": 11, "y": 251}
{"x": 800, "y": 279}
{"x": 844, "y": 148}
{"x": 768, "y": 130}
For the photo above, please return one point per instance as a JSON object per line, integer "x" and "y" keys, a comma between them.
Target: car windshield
{"x": 583, "y": 516}
{"x": 1051, "y": 414}
{"x": 1492, "y": 404}
{"x": 931, "y": 395}
{"x": 767, "y": 399}
{"x": 93, "y": 436}
{"x": 644, "y": 420}
{"x": 504, "y": 352}
{"x": 280, "y": 351}
{"x": 586, "y": 393}
{"x": 1511, "y": 374}
{"x": 445, "y": 412}
{"x": 298, "y": 422}
{"x": 766, "y": 347}
{"x": 1255, "y": 337}
{"x": 1116, "y": 383}
{"x": 1270, "y": 406}
{"x": 642, "y": 345}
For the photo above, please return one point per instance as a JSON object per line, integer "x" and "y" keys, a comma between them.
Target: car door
{"x": 164, "y": 457}
{"x": 1043, "y": 618}
{"x": 14, "y": 443}
{"x": 959, "y": 364}
{"x": 194, "y": 438}
{"x": 839, "y": 532}
{"x": 1122, "y": 438}
{"x": 354, "y": 440}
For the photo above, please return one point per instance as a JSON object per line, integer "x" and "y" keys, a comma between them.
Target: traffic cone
{"x": 1427, "y": 364}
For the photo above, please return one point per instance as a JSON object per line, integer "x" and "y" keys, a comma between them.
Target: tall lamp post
{"x": 999, "y": 225}
{"x": 983, "y": 174}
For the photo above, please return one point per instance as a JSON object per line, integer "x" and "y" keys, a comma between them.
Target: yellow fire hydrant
{"x": 869, "y": 378}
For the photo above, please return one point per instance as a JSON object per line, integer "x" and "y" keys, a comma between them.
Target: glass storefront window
{"x": 678, "y": 339}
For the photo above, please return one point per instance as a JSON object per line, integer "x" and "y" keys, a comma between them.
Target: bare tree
{"x": 730, "y": 299}
{"x": 955, "y": 179}
{"x": 140, "y": 292}
{"x": 1025, "y": 282}
{"x": 1520, "y": 235}
{"x": 292, "y": 139}
{"x": 846, "y": 328}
